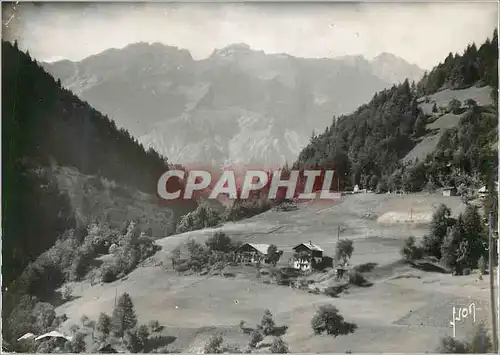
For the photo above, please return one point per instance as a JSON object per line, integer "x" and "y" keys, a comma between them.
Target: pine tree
{"x": 434, "y": 108}
{"x": 419, "y": 126}
{"x": 452, "y": 249}
{"x": 267, "y": 323}
{"x": 104, "y": 326}
{"x": 124, "y": 317}
{"x": 438, "y": 231}
{"x": 132, "y": 341}
{"x": 475, "y": 234}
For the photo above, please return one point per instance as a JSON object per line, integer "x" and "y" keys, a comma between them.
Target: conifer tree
{"x": 267, "y": 323}
{"x": 104, "y": 326}
{"x": 124, "y": 317}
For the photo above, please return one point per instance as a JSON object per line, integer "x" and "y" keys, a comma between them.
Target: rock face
{"x": 238, "y": 106}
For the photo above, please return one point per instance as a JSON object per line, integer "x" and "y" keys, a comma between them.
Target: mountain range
{"x": 238, "y": 106}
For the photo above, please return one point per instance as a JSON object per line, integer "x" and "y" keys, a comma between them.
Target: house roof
{"x": 108, "y": 348}
{"x": 309, "y": 246}
{"x": 53, "y": 334}
{"x": 448, "y": 188}
{"x": 261, "y": 248}
{"x": 484, "y": 189}
{"x": 26, "y": 336}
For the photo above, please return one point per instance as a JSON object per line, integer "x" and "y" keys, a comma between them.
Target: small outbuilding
{"x": 449, "y": 191}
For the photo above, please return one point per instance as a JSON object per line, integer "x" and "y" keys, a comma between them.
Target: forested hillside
{"x": 45, "y": 125}
{"x": 368, "y": 145}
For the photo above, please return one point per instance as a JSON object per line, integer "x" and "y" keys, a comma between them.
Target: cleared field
{"x": 447, "y": 121}
{"x": 406, "y": 310}
{"x": 479, "y": 94}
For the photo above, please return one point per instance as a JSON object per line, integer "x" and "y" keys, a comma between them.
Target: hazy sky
{"x": 421, "y": 33}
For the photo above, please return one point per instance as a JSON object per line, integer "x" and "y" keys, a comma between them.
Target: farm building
{"x": 306, "y": 255}
{"x": 449, "y": 191}
{"x": 251, "y": 253}
{"x": 483, "y": 191}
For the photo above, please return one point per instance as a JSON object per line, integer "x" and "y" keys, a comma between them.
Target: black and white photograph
{"x": 250, "y": 177}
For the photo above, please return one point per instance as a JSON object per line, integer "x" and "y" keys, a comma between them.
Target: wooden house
{"x": 251, "y": 253}
{"x": 306, "y": 256}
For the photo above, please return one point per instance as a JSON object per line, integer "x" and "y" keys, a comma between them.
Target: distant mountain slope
{"x": 394, "y": 69}
{"x": 46, "y": 126}
{"x": 237, "y": 106}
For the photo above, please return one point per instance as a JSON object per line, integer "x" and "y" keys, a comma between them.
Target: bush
{"x": 333, "y": 291}
{"x": 343, "y": 251}
{"x": 255, "y": 338}
{"x": 357, "y": 279}
{"x": 450, "y": 345}
{"x": 103, "y": 326}
{"x": 279, "y": 346}
{"x": 441, "y": 220}
{"x": 246, "y": 208}
{"x": 124, "y": 317}
{"x": 328, "y": 319}
{"x": 450, "y": 247}
{"x": 155, "y": 326}
{"x": 133, "y": 250}
{"x": 273, "y": 255}
{"x": 199, "y": 255}
{"x": 132, "y": 341}
{"x": 108, "y": 273}
{"x": 410, "y": 250}
{"x": 220, "y": 242}
{"x": 202, "y": 217}
{"x": 454, "y": 106}
{"x": 113, "y": 249}
{"x": 479, "y": 342}
{"x": 382, "y": 186}
{"x": 77, "y": 344}
{"x": 231, "y": 348}
{"x": 214, "y": 345}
